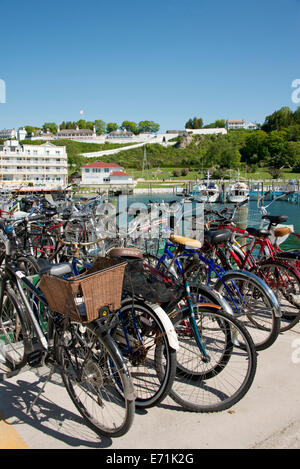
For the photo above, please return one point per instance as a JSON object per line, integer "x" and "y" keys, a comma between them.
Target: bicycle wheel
{"x": 285, "y": 283}
{"x": 255, "y": 308}
{"x": 142, "y": 339}
{"x": 13, "y": 333}
{"x": 28, "y": 265}
{"x": 216, "y": 383}
{"x": 93, "y": 370}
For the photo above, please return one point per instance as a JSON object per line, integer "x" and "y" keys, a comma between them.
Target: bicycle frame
{"x": 211, "y": 265}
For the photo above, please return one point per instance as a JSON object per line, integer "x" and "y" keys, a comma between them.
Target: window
{"x": 106, "y": 170}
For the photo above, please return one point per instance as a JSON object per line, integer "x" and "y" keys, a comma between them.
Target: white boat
{"x": 207, "y": 192}
{"x": 237, "y": 192}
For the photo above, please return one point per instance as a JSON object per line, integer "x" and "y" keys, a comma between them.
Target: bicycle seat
{"x": 258, "y": 233}
{"x": 187, "y": 242}
{"x": 217, "y": 236}
{"x": 275, "y": 219}
{"x": 126, "y": 252}
{"x": 59, "y": 270}
{"x": 49, "y": 212}
{"x": 282, "y": 231}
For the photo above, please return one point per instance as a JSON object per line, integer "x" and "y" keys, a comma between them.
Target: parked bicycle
{"x": 92, "y": 368}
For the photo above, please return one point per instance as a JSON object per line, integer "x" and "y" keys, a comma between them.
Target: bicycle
{"x": 216, "y": 360}
{"x": 281, "y": 276}
{"x": 144, "y": 334}
{"x": 251, "y": 300}
{"x": 82, "y": 351}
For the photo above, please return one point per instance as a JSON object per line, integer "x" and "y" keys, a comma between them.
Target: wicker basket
{"x": 81, "y": 297}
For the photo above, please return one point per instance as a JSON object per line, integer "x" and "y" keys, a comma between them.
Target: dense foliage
{"x": 274, "y": 146}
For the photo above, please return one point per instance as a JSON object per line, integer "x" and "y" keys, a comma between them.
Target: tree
{"x": 30, "y": 129}
{"x": 111, "y": 127}
{"x": 278, "y": 120}
{"x": 296, "y": 116}
{"x": 100, "y": 127}
{"x": 148, "y": 126}
{"x": 195, "y": 123}
{"x": 255, "y": 148}
{"x": 52, "y": 126}
{"x": 129, "y": 126}
{"x": 218, "y": 124}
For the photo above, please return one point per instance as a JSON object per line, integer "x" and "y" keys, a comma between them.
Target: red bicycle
{"x": 255, "y": 252}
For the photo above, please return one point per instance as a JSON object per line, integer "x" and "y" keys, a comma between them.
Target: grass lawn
{"x": 167, "y": 175}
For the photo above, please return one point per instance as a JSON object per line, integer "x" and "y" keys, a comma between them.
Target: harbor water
{"x": 249, "y": 215}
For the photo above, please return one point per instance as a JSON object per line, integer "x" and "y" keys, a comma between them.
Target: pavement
{"x": 267, "y": 417}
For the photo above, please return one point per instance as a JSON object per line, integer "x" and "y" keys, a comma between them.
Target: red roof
{"x": 119, "y": 173}
{"x": 101, "y": 164}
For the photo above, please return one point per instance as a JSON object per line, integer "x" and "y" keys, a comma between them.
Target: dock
{"x": 256, "y": 189}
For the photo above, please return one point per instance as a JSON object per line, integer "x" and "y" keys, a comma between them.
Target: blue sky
{"x": 165, "y": 60}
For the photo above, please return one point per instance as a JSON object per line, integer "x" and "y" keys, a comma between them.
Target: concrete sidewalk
{"x": 267, "y": 417}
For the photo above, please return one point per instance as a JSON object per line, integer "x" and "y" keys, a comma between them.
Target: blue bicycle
{"x": 250, "y": 298}
{"x": 214, "y": 346}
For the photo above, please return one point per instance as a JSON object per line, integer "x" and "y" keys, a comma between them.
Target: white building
{"x": 251, "y": 126}
{"x": 240, "y": 124}
{"x": 100, "y": 173}
{"x": 212, "y": 131}
{"x": 7, "y": 134}
{"x": 235, "y": 124}
{"x": 76, "y": 133}
{"x": 41, "y": 166}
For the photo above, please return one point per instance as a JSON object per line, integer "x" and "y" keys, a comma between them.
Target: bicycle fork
{"x": 193, "y": 324}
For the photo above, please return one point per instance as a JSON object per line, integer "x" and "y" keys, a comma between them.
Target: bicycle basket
{"x": 83, "y": 297}
{"x": 144, "y": 281}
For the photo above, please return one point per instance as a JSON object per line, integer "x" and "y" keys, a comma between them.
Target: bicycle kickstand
{"x": 51, "y": 373}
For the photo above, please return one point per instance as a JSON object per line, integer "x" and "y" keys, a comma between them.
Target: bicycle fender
{"x": 245, "y": 275}
{"x": 215, "y": 297}
{"x": 167, "y": 323}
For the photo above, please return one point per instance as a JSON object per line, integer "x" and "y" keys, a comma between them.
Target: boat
{"x": 208, "y": 191}
{"x": 237, "y": 192}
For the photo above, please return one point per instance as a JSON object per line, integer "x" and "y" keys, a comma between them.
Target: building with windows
{"x": 235, "y": 124}
{"x": 42, "y": 166}
{"x": 240, "y": 124}
{"x": 251, "y": 126}
{"x": 76, "y": 133}
{"x": 100, "y": 173}
{"x": 7, "y": 134}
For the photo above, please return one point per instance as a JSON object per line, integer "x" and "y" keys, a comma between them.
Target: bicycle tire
{"x": 284, "y": 279}
{"x": 92, "y": 369}
{"x": 151, "y": 359}
{"x": 290, "y": 309}
{"x": 255, "y": 308}
{"x": 27, "y": 264}
{"x": 13, "y": 333}
{"x": 199, "y": 391}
